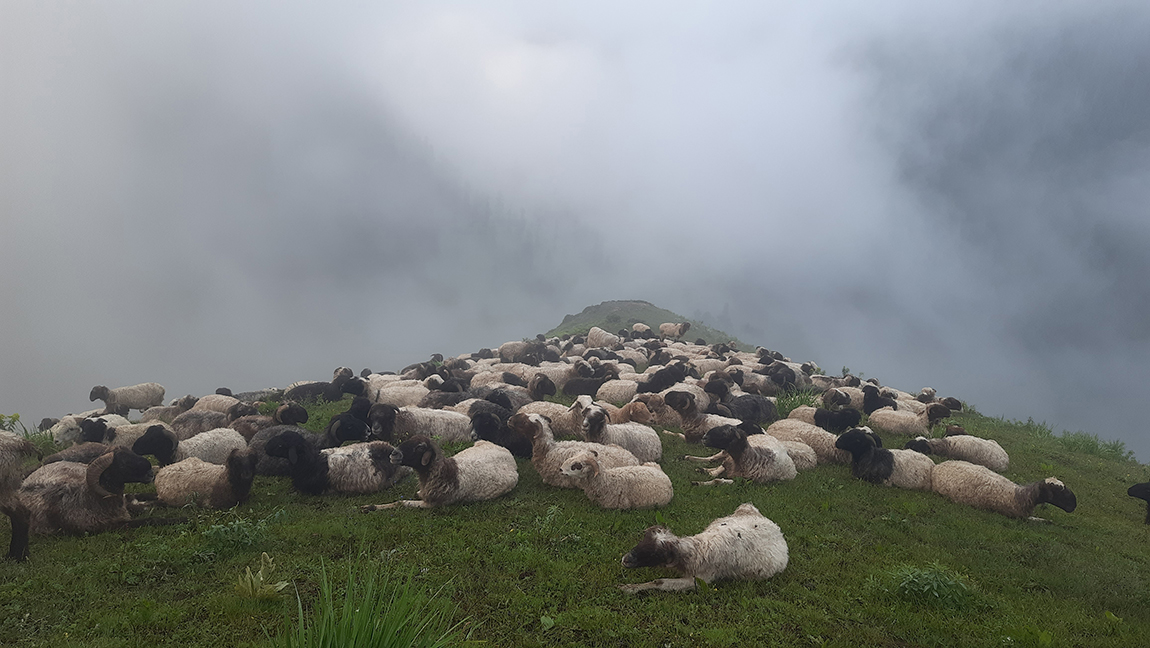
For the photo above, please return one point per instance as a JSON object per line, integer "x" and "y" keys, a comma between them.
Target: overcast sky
{"x": 209, "y": 194}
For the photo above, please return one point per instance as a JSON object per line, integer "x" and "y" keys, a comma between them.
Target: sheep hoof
{"x": 368, "y": 508}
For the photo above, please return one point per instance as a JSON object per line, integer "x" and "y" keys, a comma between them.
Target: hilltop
{"x": 621, "y": 314}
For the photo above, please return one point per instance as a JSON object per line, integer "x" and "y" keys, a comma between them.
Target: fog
{"x": 204, "y": 195}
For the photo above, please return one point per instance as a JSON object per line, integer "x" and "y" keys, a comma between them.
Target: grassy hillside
{"x": 615, "y": 315}
{"x": 869, "y": 565}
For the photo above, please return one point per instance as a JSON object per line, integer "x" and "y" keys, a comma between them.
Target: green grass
{"x": 540, "y": 566}
{"x": 615, "y": 315}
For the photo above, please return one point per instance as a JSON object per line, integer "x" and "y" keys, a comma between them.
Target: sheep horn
{"x": 96, "y": 470}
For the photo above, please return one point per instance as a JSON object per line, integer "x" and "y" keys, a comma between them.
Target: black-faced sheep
{"x": 981, "y": 487}
{"x": 624, "y": 487}
{"x": 137, "y": 397}
{"x": 834, "y": 421}
{"x": 168, "y": 413}
{"x": 285, "y": 414}
{"x": 694, "y": 423}
{"x": 741, "y": 546}
{"x": 984, "y": 452}
{"x": 674, "y": 329}
{"x": 1142, "y": 492}
{"x": 358, "y": 468}
{"x": 14, "y": 450}
{"x": 397, "y": 424}
{"x": 75, "y": 498}
{"x": 640, "y": 440}
{"x": 873, "y": 400}
{"x": 209, "y": 485}
{"x": 908, "y": 423}
{"x": 760, "y": 462}
{"x": 489, "y": 427}
{"x": 269, "y": 465}
{"x": 213, "y": 446}
{"x": 877, "y": 465}
{"x": 482, "y": 472}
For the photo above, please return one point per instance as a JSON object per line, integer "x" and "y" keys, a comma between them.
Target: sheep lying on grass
{"x": 75, "y": 498}
{"x": 741, "y": 546}
{"x": 548, "y": 455}
{"x": 209, "y": 485}
{"x": 357, "y": 468}
{"x": 762, "y": 463}
{"x": 640, "y": 440}
{"x": 981, "y": 487}
{"x": 984, "y": 452}
{"x": 482, "y": 472}
{"x": 624, "y": 487}
{"x": 908, "y": 423}
{"x": 878, "y": 465}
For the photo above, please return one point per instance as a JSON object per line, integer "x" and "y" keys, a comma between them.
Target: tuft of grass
{"x": 931, "y": 586}
{"x": 381, "y": 607}
{"x": 793, "y": 398}
{"x": 239, "y": 534}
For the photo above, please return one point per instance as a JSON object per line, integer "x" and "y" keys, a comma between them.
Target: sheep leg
{"x": 368, "y": 508}
{"x": 712, "y": 482}
{"x": 18, "y": 548}
{"x": 684, "y": 584}
{"x": 675, "y": 434}
{"x": 715, "y": 457}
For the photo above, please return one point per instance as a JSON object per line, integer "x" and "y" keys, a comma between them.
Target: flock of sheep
{"x": 209, "y": 449}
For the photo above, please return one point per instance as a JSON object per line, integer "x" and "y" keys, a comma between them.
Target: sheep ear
{"x": 427, "y": 457}
{"x": 95, "y": 470}
{"x": 595, "y": 452}
{"x": 293, "y": 456}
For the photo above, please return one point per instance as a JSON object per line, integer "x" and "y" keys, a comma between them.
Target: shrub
{"x": 379, "y": 608}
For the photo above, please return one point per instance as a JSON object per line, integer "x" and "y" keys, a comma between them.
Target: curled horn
{"x": 96, "y": 469}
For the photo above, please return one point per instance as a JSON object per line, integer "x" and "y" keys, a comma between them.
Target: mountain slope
{"x": 621, "y": 314}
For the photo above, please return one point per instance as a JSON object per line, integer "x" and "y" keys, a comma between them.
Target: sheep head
{"x": 1053, "y": 491}
{"x": 659, "y": 547}
{"x": 381, "y": 418}
{"x": 418, "y": 452}
{"x": 1142, "y": 492}
{"x": 855, "y": 441}
{"x": 679, "y": 401}
{"x": 108, "y": 473}
{"x": 583, "y": 465}
{"x": 935, "y": 412}
{"x": 99, "y": 392}
{"x": 290, "y": 414}
{"x": 918, "y": 444}
{"x": 159, "y": 441}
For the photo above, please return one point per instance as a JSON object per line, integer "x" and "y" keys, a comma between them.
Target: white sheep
{"x": 597, "y": 338}
{"x": 168, "y": 413}
{"x": 216, "y": 403}
{"x": 137, "y": 397}
{"x": 640, "y": 440}
{"x": 482, "y": 472}
{"x": 624, "y": 487}
{"x": 741, "y": 546}
{"x": 547, "y": 454}
{"x": 984, "y": 452}
{"x": 981, "y": 487}
{"x": 617, "y": 391}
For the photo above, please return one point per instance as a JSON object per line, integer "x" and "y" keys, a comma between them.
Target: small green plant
{"x": 1031, "y": 637}
{"x": 793, "y": 398}
{"x": 259, "y": 584}
{"x": 42, "y": 440}
{"x": 381, "y": 606}
{"x": 933, "y": 586}
{"x": 12, "y": 423}
{"x": 239, "y": 533}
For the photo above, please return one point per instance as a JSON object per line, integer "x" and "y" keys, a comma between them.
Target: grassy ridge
{"x": 615, "y": 315}
{"x": 540, "y": 566}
